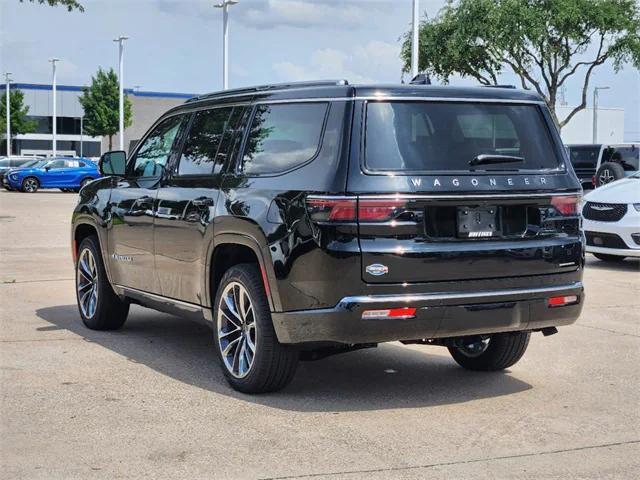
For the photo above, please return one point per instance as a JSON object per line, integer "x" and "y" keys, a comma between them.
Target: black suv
{"x": 309, "y": 219}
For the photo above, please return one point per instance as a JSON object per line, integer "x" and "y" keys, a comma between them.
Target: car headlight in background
{"x": 637, "y": 207}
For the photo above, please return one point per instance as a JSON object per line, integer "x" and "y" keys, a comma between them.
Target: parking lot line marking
{"x": 460, "y": 462}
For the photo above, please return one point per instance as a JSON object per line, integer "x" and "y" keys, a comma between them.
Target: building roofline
{"x": 77, "y": 88}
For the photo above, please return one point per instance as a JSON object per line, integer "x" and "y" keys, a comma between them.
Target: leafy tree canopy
{"x": 544, "y": 42}
{"x": 69, "y": 4}
{"x": 100, "y": 103}
{"x": 20, "y": 123}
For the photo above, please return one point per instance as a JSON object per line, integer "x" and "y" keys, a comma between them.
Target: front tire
{"x": 30, "y": 185}
{"x": 609, "y": 258}
{"x": 100, "y": 308}
{"x": 491, "y": 353}
{"x": 252, "y": 359}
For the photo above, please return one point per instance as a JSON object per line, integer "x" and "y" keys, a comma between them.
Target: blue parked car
{"x": 68, "y": 174}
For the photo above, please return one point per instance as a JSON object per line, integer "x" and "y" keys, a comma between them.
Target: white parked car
{"x": 611, "y": 216}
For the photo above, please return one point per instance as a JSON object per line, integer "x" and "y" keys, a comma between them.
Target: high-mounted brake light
{"x": 350, "y": 209}
{"x": 390, "y": 313}
{"x": 566, "y": 205}
{"x": 562, "y": 301}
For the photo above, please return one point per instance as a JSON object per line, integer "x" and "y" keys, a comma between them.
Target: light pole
{"x": 225, "y": 40}
{"x": 81, "y": 135}
{"x": 55, "y": 114}
{"x": 595, "y": 112}
{"x": 414, "y": 39}
{"x": 7, "y": 77}
{"x": 120, "y": 41}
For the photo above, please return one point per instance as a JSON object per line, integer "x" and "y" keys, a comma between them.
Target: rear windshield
{"x": 628, "y": 157}
{"x": 584, "y": 157}
{"x": 442, "y": 136}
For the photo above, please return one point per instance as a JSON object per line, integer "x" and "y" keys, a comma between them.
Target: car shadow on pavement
{"x": 627, "y": 265}
{"x": 388, "y": 377}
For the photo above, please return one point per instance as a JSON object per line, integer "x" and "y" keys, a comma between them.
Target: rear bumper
{"x": 438, "y": 315}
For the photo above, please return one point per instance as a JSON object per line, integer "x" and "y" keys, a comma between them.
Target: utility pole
{"x": 225, "y": 40}
{"x": 7, "y": 77}
{"x": 120, "y": 41}
{"x": 414, "y": 39}
{"x": 81, "y": 135}
{"x": 595, "y": 112}
{"x": 55, "y": 113}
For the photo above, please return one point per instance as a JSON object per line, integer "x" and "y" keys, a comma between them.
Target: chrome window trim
{"x": 449, "y": 99}
{"x": 369, "y": 299}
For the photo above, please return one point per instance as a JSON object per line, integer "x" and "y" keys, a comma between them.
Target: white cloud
{"x": 374, "y": 61}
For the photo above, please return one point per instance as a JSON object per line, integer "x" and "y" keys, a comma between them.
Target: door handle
{"x": 202, "y": 202}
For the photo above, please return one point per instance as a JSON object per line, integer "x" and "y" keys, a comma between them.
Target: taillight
{"x": 566, "y": 205}
{"x": 379, "y": 210}
{"x": 593, "y": 180}
{"x": 332, "y": 209}
{"x": 350, "y": 209}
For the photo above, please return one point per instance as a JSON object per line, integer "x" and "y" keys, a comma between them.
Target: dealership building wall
{"x": 146, "y": 108}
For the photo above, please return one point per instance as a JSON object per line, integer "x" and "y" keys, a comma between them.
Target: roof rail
{"x": 272, "y": 86}
{"x": 499, "y": 86}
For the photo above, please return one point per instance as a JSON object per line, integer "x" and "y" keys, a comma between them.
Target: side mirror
{"x": 47, "y": 168}
{"x": 113, "y": 163}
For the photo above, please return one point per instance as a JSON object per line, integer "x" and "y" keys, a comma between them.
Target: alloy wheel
{"x": 87, "y": 283}
{"x": 236, "y": 327}
{"x": 474, "y": 348}
{"x": 30, "y": 185}
{"x": 606, "y": 177}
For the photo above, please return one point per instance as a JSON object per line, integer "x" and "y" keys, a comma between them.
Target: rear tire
{"x": 609, "y": 172}
{"x": 502, "y": 350}
{"x": 609, "y": 258}
{"x": 30, "y": 185}
{"x": 85, "y": 182}
{"x": 252, "y": 359}
{"x": 100, "y": 308}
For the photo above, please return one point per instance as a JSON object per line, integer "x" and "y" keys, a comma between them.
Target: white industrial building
{"x": 146, "y": 108}
{"x": 610, "y": 125}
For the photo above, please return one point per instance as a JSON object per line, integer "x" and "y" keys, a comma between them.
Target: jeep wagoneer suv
{"x": 316, "y": 218}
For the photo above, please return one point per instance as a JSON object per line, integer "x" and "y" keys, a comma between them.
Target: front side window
{"x": 56, "y": 164}
{"x": 443, "y": 136}
{"x": 283, "y": 137}
{"x": 153, "y": 154}
{"x": 200, "y": 148}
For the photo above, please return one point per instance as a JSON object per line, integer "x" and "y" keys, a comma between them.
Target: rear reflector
{"x": 349, "y": 209}
{"x": 395, "y": 313}
{"x": 566, "y": 205}
{"x": 562, "y": 301}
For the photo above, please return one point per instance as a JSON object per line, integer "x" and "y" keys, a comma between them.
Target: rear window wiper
{"x": 485, "y": 159}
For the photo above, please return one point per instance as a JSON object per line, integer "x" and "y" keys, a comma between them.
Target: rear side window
{"x": 584, "y": 157}
{"x": 200, "y": 148}
{"x": 628, "y": 157}
{"x": 283, "y": 137}
{"x": 441, "y": 136}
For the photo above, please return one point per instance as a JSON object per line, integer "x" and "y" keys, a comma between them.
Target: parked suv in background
{"x": 316, "y": 218}
{"x": 616, "y": 162}
{"x": 67, "y": 174}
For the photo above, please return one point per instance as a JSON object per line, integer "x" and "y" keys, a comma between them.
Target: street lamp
{"x": 55, "y": 114}
{"x": 120, "y": 41}
{"x": 225, "y": 39}
{"x": 414, "y": 40}
{"x": 7, "y": 77}
{"x": 595, "y": 112}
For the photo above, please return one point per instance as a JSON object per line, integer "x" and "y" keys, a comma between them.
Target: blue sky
{"x": 175, "y": 45}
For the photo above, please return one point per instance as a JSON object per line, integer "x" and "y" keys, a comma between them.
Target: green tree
{"x": 101, "y": 109}
{"x": 20, "y": 122}
{"x": 544, "y": 42}
{"x": 69, "y": 4}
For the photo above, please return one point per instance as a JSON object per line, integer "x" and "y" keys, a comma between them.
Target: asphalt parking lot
{"x": 149, "y": 400}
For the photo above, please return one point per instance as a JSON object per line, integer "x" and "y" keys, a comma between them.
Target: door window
{"x": 283, "y": 137}
{"x": 201, "y": 146}
{"x": 56, "y": 164}
{"x": 153, "y": 154}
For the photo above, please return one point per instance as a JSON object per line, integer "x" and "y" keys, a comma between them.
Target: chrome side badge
{"x": 121, "y": 258}
{"x": 377, "y": 269}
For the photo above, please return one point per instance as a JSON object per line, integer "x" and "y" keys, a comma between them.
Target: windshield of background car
{"x": 584, "y": 156}
{"x": 628, "y": 157}
{"x": 445, "y": 136}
